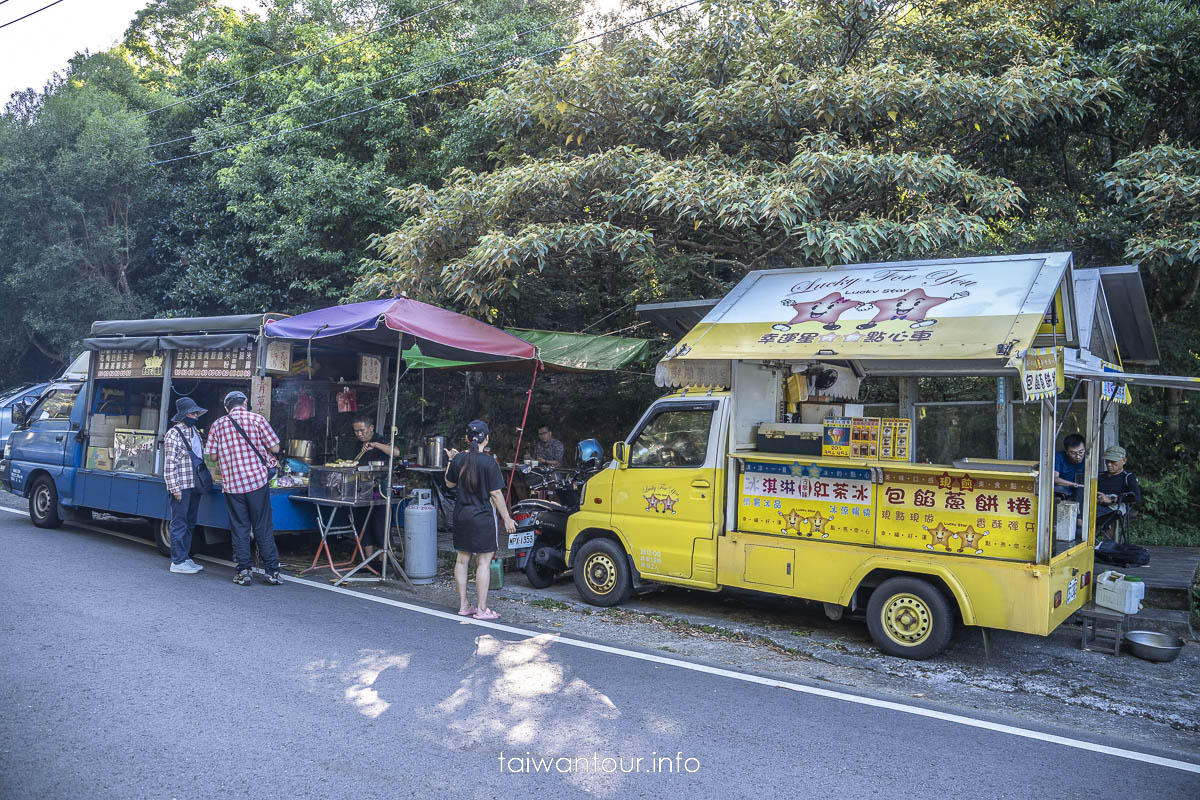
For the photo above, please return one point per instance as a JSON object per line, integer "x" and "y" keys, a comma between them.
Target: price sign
{"x": 237, "y": 363}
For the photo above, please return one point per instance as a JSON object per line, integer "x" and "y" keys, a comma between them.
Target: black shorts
{"x": 476, "y": 531}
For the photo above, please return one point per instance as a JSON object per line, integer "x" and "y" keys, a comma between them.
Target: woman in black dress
{"x": 477, "y": 514}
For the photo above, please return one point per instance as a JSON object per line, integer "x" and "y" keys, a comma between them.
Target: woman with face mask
{"x": 182, "y": 449}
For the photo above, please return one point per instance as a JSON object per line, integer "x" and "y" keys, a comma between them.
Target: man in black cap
{"x": 182, "y": 448}
{"x": 244, "y": 445}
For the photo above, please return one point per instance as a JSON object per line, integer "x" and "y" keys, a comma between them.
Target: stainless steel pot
{"x": 435, "y": 451}
{"x": 300, "y": 449}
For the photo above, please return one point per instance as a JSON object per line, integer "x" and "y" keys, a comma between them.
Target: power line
{"x": 30, "y": 14}
{"x": 297, "y": 60}
{"x": 344, "y": 92}
{"x": 430, "y": 89}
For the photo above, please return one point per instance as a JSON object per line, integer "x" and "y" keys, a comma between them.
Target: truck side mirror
{"x": 17, "y": 414}
{"x": 621, "y": 454}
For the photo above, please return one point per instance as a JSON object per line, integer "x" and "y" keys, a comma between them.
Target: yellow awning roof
{"x": 968, "y": 309}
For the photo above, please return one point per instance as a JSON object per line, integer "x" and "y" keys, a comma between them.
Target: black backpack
{"x": 1122, "y": 554}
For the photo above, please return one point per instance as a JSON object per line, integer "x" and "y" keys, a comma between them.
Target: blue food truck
{"x": 96, "y": 444}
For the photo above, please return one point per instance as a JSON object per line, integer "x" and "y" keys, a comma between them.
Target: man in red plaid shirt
{"x": 243, "y": 444}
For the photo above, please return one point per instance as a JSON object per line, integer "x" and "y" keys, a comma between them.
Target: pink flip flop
{"x": 487, "y": 613}
{"x": 470, "y": 612}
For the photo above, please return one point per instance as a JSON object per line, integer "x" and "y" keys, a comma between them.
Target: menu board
{"x": 864, "y": 437}
{"x": 370, "y": 369}
{"x": 895, "y": 439}
{"x": 128, "y": 364}
{"x": 237, "y": 363}
{"x": 279, "y": 356}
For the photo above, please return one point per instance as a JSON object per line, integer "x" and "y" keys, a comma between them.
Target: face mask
{"x": 192, "y": 421}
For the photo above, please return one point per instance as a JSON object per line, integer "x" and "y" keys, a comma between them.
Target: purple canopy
{"x": 374, "y": 325}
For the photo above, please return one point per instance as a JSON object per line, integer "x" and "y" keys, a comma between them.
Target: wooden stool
{"x": 1103, "y": 629}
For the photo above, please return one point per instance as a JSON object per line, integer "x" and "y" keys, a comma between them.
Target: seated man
{"x": 1117, "y": 489}
{"x": 547, "y": 450}
{"x": 1069, "y": 468}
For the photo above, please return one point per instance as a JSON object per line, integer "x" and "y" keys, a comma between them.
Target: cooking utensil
{"x": 435, "y": 451}
{"x": 301, "y": 450}
{"x": 1154, "y": 646}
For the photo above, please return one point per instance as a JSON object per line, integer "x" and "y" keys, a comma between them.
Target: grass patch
{"x": 553, "y": 605}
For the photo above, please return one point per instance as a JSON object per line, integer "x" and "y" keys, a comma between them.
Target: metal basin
{"x": 1154, "y": 646}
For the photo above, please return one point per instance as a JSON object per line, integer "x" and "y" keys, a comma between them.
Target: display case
{"x": 351, "y": 484}
{"x": 133, "y": 451}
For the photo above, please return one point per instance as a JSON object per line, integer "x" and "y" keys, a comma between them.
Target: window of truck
{"x": 673, "y": 437}
{"x": 55, "y": 405}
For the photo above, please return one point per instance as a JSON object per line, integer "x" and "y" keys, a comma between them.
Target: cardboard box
{"x": 99, "y": 458}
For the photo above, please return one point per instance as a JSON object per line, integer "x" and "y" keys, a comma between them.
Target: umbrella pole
{"x": 521, "y": 434}
{"x": 387, "y": 528}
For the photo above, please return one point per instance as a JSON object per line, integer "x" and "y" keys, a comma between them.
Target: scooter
{"x": 545, "y": 557}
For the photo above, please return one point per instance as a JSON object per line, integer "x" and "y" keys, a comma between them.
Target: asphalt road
{"x": 119, "y": 679}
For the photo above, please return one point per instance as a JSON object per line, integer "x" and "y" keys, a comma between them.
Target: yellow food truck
{"x": 762, "y": 472}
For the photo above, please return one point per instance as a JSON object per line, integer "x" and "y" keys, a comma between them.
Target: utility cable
{"x": 297, "y": 60}
{"x": 430, "y": 89}
{"x": 344, "y": 92}
{"x": 30, "y": 14}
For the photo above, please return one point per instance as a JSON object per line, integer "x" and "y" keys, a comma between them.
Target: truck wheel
{"x": 43, "y": 503}
{"x": 909, "y": 618}
{"x": 602, "y": 573}
{"x": 162, "y": 536}
{"x": 540, "y": 575}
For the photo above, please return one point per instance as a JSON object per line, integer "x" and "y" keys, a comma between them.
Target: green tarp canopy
{"x": 560, "y": 352}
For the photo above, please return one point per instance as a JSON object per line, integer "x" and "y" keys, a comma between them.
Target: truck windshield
{"x": 673, "y": 438}
{"x": 55, "y": 405}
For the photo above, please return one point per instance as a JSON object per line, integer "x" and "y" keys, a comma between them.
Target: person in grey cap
{"x": 478, "y": 512}
{"x": 182, "y": 449}
{"x": 245, "y": 446}
{"x": 1117, "y": 490}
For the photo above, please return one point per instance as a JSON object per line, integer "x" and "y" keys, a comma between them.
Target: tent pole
{"x": 521, "y": 433}
{"x": 387, "y": 509}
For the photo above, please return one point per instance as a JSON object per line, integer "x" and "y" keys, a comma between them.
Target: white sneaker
{"x": 186, "y": 567}
{"x": 194, "y": 564}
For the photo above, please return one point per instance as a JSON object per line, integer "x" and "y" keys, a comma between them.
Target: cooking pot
{"x": 300, "y": 449}
{"x": 435, "y": 451}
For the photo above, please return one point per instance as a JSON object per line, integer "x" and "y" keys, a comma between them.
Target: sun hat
{"x": 185, "y": 406}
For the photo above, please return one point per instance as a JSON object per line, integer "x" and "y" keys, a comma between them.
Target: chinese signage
{"x": 958, "y": 513}
{"x": 237, "y": 363}
{"x": 895, "y": 439}
{"x": 279, "y": 357}
{"x": 1041, "y": 373}
{"x": 1115, "y": 392}
{"x": 807, "y": 501}
{"x": 260, "y": 395}
{"x": 128, "y": 364}
{"x": 370, "y": 369}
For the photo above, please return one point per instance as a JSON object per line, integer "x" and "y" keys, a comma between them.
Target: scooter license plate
{"x": 523, "y": 539}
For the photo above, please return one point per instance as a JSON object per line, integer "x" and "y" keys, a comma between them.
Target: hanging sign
{"x": 236, "y": 363}
{"x": 370, "y": 370}
{"x": 279, "y": 357}
{"x": 260, "y": 395}
{"x": 1115, "y": 392}
{"x": 1041, "y": 373}
{"x": 128, "y": 364}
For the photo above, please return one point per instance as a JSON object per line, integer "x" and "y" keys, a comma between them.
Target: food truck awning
{"x": 178, "y": 333}
{"x": 559, "y": 352}
{"x": 373, "y": 327}
{"x": 965, "y": 314}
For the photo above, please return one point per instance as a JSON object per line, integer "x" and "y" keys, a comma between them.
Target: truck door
{"x": 666, "y": 499}
{"x": 47, "y": 436}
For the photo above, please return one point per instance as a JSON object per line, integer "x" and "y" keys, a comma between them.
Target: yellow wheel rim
{"x": 907, "y": 619}
{"x": 600, "y": 573}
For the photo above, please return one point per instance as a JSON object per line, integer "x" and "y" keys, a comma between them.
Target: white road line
{"x": 903, "y": 708}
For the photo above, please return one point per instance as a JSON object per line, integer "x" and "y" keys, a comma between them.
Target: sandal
{"x": 470, "y": 612}
{"x": 487, "y": 613}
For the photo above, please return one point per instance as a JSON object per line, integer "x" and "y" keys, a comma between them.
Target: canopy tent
{"x": 384, "y": 326}
{"x": 558, "y": 352}
{"x": 946, "y": 316}
{"x": 381, "y": 325}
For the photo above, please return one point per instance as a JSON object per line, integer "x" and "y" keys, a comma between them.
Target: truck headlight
{"x": 8, "y": 448}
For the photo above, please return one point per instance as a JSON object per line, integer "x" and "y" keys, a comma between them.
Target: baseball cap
{"x": 233, "y": 398}
{"x": 477, "y": 429}
{"x": 1114, "y": 453}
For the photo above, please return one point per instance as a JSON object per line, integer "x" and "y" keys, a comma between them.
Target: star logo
{"x": 668, "y": 504}
{"x": 829, "y": 337}
{"x": 852, "y": 337}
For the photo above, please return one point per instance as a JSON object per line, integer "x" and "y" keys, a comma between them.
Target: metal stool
{"x": 1103, "y": 629}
